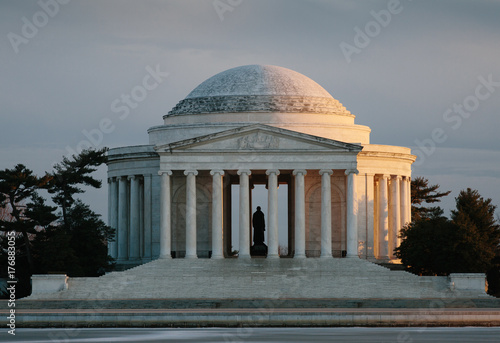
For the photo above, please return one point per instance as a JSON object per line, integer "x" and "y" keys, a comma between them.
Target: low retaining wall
{"x": 469, "y": 282}
{"x": 50, "y": 283}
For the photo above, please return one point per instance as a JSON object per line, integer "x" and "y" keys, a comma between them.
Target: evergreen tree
{"x": 472, "y": 208}
{"x": 70, "y": 174}
{"x": 468, "y": 243}
{"x": 80, "y": 249}
{"x": 427, "y": 246}
{"x": 477, "y": 216}
{"x": 17, "y": 186}
{"x": 422, "y": 193}
{"x": 24, "y": 212}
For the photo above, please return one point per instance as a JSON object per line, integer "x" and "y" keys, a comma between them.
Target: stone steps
{"x": 255, "y": 278}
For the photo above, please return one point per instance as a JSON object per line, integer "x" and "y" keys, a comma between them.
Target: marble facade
{"x": 258, "y": 124}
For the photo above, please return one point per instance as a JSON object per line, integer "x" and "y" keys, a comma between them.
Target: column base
{"x": 352, "y": 256}
{"x": 217, "y": 257}
{"x": 191, "y": 257}
{"x": 273, "y": 256}
{"x": 300, "y": 256}
{"x": 165, "y": 257}
{"x": 324, "y": 257}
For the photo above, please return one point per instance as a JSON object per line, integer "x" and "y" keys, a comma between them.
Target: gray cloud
{"x": 427, "y": 58}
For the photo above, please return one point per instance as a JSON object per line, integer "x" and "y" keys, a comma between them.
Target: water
{"x": 250, "y": 335}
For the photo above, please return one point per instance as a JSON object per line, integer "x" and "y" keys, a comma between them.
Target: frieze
{"x": 258, "y": 140}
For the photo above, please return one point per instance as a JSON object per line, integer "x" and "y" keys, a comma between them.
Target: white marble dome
{"x": 259, "y": 94}
{"x": 259, "y": 88}
{"x": 259, "y": 80}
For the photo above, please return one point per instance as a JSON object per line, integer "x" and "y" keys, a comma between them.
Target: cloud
{"x": 428, "y": 58}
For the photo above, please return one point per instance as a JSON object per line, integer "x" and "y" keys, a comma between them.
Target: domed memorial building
{"x": 258, "y": 125}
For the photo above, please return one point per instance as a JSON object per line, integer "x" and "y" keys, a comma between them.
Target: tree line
{"x": 468, "y": 242}
{"x": 66, "y": 238}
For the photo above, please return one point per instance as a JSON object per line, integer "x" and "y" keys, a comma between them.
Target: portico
{"x": 257, "y": 149}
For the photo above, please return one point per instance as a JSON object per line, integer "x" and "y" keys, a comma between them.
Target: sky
{"x": 421, "y": 74}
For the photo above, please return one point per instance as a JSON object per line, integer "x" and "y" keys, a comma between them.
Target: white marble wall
{"x": 203, "y": 213}
{"x": 313, "y": 213}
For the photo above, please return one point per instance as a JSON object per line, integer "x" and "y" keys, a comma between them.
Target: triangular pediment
{"x": 259, "y": 137}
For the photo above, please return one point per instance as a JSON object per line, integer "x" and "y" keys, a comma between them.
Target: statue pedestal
{"x": 258, "y": 250}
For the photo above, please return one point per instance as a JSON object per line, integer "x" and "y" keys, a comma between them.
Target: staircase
{"x": 256, "y": 278}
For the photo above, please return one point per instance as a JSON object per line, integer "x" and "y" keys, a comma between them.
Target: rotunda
{"x": 258, "y": 124}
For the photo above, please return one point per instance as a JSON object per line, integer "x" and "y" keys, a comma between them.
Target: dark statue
{"x": 259, "y": 226}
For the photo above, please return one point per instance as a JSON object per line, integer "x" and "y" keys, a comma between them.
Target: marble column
{"x": 383, "y": 219}
{"x": 352, "y": 214}
{"x": 217, "y": 231}
{"x": 300, "y": 213}
{"x": 110, "y": 182}
{"x": 272, "y": 212}
{"x": 326, "y": 213}
{"x": 141, "y": 218}
{"x": 113, "y": 216}
{"x": 370, "y": 225}
{"x": 165, "y": 215}
{"x": 122, "y": 219}
{"x": 396, "y": 213}
{"x": 134, "y": 219}
{"x": 376, "y": 213}
{"x": 404, "y": 203}
{"x": 408, "y": 199}
{"x": 148, "y": 221}
{"x": 244, "y": 213}
{"x": 191, "y": 213}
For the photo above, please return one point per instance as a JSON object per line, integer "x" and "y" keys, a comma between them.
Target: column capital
{"x": 217, "y": 171}
{"x": 272, "y": 171}
{"x": 166, "y": 172}
{"x": 325, "y": 171}
{"x": 110, "y": 179}
{"x": 131, "y": 177}
{"x": 300, "y": 171}
{"x": 384, "y": 176}
{"x": 190, "y": 171}
{"x": 397, "y": 177}
{"x": 351, "y": 171}
{"x": 244, "y": 171}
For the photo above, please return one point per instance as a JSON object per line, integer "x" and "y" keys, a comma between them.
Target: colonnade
{"x": 130, "y": 212}
{"x": 244, "y": 213}
{"x": 393, "y": 211}
{"x": 131, "y": 202}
